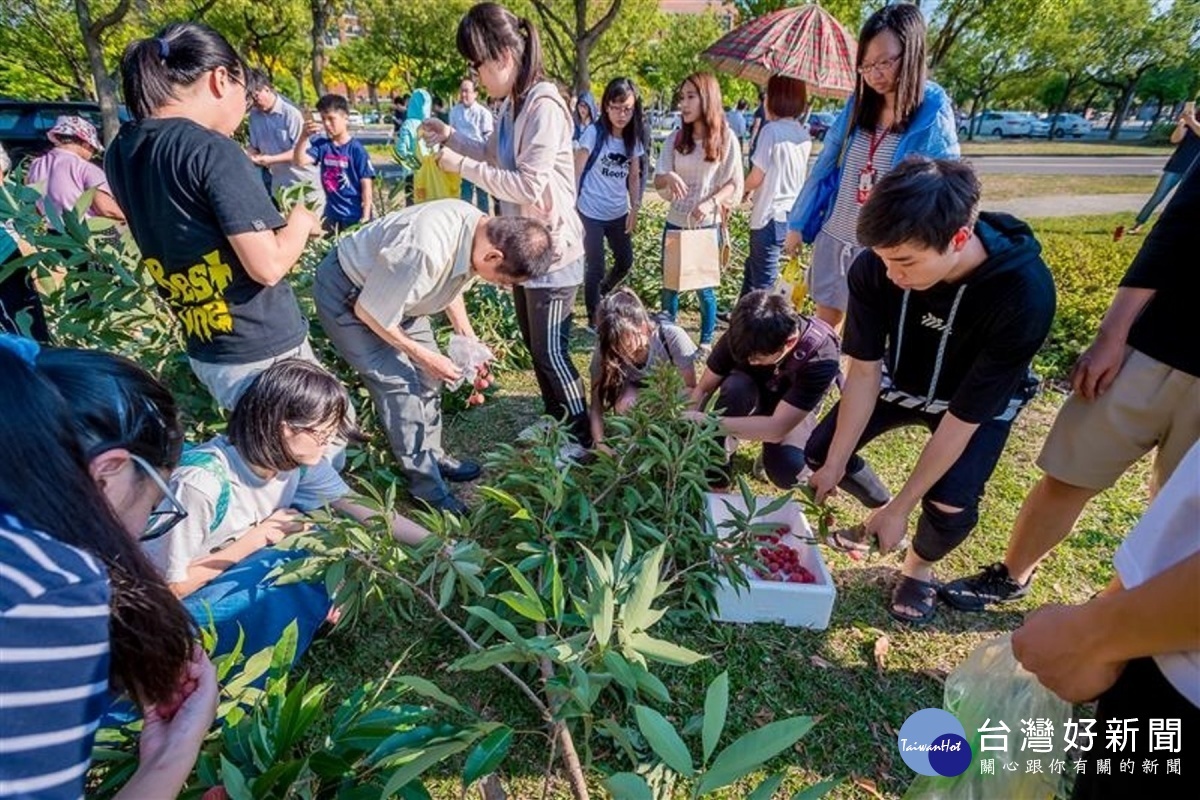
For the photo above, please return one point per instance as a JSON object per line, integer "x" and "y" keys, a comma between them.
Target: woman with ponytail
{"x": 210, "y": 236}
{"x": 89, "y": 438}
{"x": 528, "y": 165}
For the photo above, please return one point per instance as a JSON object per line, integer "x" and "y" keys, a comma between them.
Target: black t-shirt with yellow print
{"x": 185, "y": 189}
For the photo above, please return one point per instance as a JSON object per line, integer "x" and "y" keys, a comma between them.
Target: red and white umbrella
{"x": 802, "y": 42}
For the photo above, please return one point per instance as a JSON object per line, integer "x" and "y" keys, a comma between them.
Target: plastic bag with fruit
{"x": 791, "y": 282}
{"x": 990, "y": 689}
{"x": 431, "y": 182}
{"x": 473, "y": 357}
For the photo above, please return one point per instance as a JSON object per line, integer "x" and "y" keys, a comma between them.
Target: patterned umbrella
{"x": 802, "y": 42}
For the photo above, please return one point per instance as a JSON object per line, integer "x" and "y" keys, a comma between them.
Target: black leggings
{"x": 595, "y": 283}
{"x": 544, "y": 317}
{"x": 741, "y": 396}
{"x": 962, "y": 487}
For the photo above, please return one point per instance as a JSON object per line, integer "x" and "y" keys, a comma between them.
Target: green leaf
{"x": 619, "y": 668}
{"x": 650, "y": 684}
{"x": 429, "y": 689}
{"x": 663, "y": 651}
{"x": 522, "y": 582}
{"x": 663, "y": 739}
{"x": 645, "y": 589}
{"x": 716, "y": 705}
{"x": 602, "y": 617}
{"x": 557, "y": 594}
{"x": 751, "y": 750}
{"x": 487, "y": 755}
{"x": 506, "y": 500}
{"x": 446, "y": 591}
{"x": 234, "y": 781}
{"x": 417, "y": 766}
{"x": 628, "y": 786}
{"x": 817, "y": 790}
{"x": 502, "y": 626}
{"x": 600, "y": 575}
{"x": 766, "y": 789}
{"x": 502, "y": 654}
{"x": 285, "y": 651}
{"x": 528, "y": 608}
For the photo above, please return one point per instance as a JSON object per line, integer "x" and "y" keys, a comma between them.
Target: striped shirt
{"x": 54, "y": 659}
{"x": 843, "y": 223}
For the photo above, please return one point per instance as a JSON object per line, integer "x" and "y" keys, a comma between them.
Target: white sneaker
{"x": 534, "y": 432}
{"x": 570, "y": 453}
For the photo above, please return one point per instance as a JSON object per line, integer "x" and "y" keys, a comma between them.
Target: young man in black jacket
{"x": 1136, "y": 389}
{"x": 947, "y": 309}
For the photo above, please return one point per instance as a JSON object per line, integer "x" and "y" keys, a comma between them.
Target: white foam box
{"x": 796, "y": 605}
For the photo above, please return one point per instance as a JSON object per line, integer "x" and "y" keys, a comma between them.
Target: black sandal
{"x": 913, "y": 593}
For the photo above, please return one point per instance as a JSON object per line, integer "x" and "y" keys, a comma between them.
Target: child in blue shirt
{"x": 345, "y": 168}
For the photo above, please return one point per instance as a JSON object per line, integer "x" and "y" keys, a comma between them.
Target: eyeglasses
{"x": 245, "y": 89}
{"x": 623, "y": 111}
{"x": 879, "y": 67}
{"x": 322, "y": 438}
{"x": 162, "y": 520}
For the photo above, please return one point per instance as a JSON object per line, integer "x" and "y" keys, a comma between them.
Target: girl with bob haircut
{"x": 700, "y": 174}
{"x": 528, "y": 165}
{"x": 248, "y": 489}
{"x": 82, "y": 611}
{"x": 629, "y": 346}
{"x": 608, "y": 159}
{"x": 211, "y": 238}
{"x": 894, "y": 113}
{"x": 777, "y": 169}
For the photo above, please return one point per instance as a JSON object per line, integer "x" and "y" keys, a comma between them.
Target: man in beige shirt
{"x": 375, "y": 292}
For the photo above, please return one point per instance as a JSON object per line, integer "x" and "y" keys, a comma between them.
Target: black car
{"x": 23, "y": 123}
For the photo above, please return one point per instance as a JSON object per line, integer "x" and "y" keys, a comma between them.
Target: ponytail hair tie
{"x": 22, "y": 347}
{"x": 164, "y": 48}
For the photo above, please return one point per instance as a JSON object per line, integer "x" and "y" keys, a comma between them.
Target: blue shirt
{"x": 54, "y": 657}
{"x": 342, "y": 168}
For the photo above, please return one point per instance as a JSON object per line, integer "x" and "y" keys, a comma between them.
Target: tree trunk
{"x": 320, "y": 18}
{"x": 1062, "y": 103}
{"x": 1122, "y": 108}
{"x": 582, "y": 79}
{"x": 106, "y": 90}
{"x": 373, "y": 94}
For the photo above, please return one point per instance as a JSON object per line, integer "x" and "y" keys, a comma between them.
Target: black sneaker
{"x": 990, "y": 586}
{"x": 459, "y": 471}
{"x": 448, "y": 503}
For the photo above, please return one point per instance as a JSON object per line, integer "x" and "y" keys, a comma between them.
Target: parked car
{"x": 371, "y": 117}
{"x": 818, "y": 124}
{"x": 23, "y": 123}
{"x": 356, "y": 119}
{"x": 996, "y": 123}
{"x": 1068, "y": 125}
{"x": 1038, "y": 128}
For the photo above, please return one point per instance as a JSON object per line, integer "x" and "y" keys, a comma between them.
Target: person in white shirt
{"x": 608, "y": 162}
{"x": 777, "y": 170}
{"x": 275, "y": 125}
{"x": 1135, "y": 646}
{"x": 474, "y": 121}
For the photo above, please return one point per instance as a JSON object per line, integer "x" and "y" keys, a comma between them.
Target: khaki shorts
{"x": 1148, "y": 406}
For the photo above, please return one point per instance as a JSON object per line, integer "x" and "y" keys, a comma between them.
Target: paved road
{"x": 1069, "y": 165}
{"x": 1068, "y": 205}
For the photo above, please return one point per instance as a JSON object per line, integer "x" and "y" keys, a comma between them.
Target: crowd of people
{"x": 929, "y": 312}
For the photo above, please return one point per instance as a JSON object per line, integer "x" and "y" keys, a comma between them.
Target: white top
{"x": 782, "y": 155}
{"x": 473, "y": 122}
{"x": 604, "y": 193}
{"x": 224, "y": 498}
{"x": 703, "y": 178}
{"x": 413, "y": 262}
{"x": 1168, "y": 533}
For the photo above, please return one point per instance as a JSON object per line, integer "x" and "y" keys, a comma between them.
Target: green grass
{"x": 1003, "y": 186}
{"x": 775, "y": 671}
{"x": 1041, "y": 147}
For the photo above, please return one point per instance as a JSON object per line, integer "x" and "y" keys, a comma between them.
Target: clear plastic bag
{"x": 992, "y": 685}
{"x": 469, "y": 355}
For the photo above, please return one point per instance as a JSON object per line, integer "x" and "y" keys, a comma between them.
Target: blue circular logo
{"x": 933, "y": 742}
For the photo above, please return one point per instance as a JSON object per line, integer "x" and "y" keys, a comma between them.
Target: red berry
{"x": 797, "y": 578}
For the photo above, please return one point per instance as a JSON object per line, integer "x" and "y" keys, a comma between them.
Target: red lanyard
{"x": 866, "y": 176}
{"x": 873, "y": 146}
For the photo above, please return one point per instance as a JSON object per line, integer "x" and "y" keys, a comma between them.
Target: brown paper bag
{"x": 691, "y": 259}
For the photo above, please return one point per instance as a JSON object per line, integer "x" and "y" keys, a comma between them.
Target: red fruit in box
{"x": 797, "y": 578}
{"x": 782, "y": 530}
{"x": 475, "y": 399}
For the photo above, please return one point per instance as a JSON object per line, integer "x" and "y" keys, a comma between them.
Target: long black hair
{"x": 617, "y": 90}
{"x": 622, "y": 342}
{"x": 906, "y": 23}
{"x": 489, "y": 30}
{"x": 153, "y": 69}
{"x": 58, "y": 409}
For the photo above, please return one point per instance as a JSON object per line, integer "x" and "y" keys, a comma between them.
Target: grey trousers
{"x": 409, "y": 403}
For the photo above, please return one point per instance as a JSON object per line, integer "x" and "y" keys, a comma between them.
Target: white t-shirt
{"x": 782, "y": 154}
{"x": 604, "y": 194}
{"x": 1168, "y": 533}
{"x": 474, "y": 122}
{"x": 224, "y": 499}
